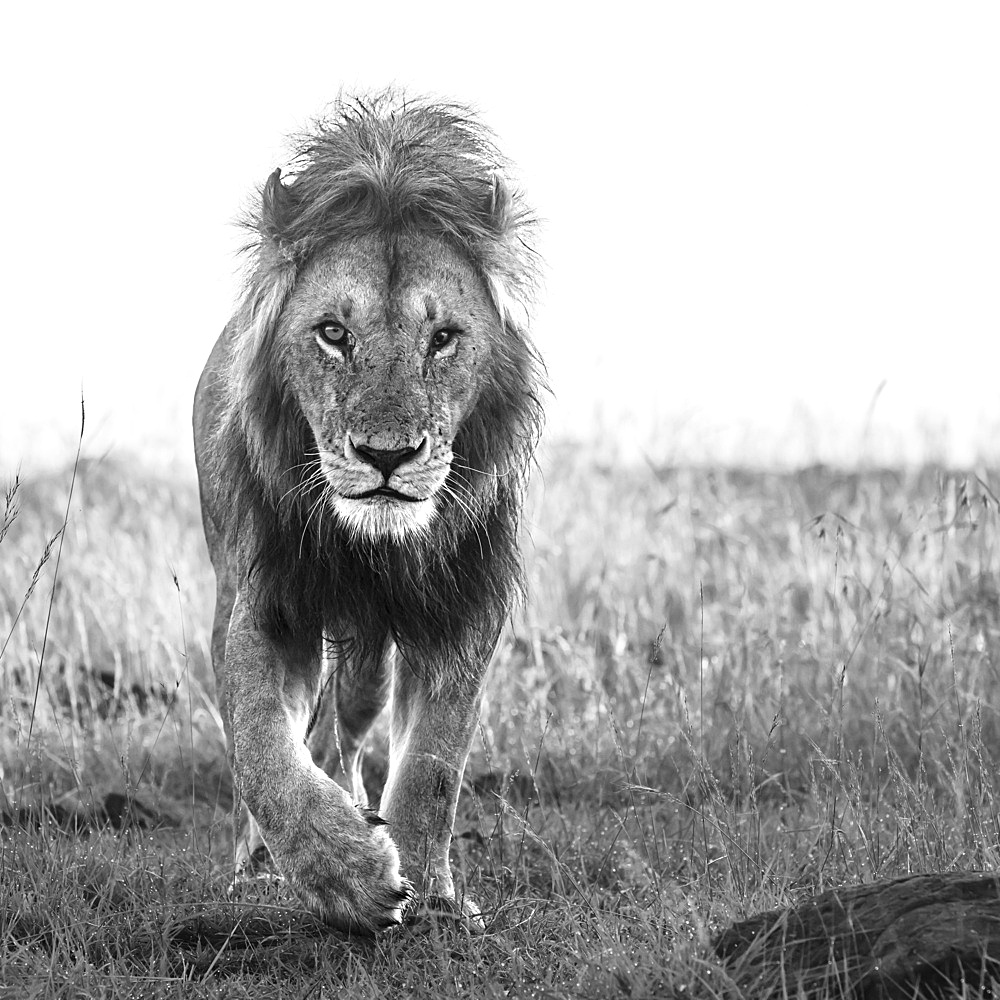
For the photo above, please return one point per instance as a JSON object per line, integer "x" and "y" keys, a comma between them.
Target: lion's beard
{"x": 379, "y": 518}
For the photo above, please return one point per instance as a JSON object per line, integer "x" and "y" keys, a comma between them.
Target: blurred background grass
{"x": 767, "y": 611}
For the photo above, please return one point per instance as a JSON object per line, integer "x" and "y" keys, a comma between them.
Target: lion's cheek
{"x": 318, "y": 396}
{"x": 327, "y": 425}
{"x": 462, "y": 394}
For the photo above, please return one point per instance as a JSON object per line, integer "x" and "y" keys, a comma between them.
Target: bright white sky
{"x": 756, "y": 212}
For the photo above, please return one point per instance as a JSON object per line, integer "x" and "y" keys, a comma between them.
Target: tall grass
{"x": 94, "y": 649}
{"x": 728, "y": 689}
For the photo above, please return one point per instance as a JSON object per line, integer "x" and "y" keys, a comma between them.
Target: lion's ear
{"x": 499, "y": 202}
{"x": 276, "y": 206}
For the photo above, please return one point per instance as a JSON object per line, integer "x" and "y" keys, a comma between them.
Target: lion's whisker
{"x": 495, "y": 474}
{"x": 316, "y": 478}
{"x": 318, "y": 503}
{"x": 474, "y": 517}
{"x": 326, "y": 499}
{"x": 464, "y": 489}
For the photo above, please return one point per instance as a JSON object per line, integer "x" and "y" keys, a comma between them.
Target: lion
{"x": 364, "y": 429}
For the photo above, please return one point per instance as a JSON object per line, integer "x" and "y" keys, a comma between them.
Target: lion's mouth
{"x": 384, "y": 491}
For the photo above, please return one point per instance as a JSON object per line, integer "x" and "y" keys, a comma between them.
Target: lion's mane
{"x": 382, "y": 166}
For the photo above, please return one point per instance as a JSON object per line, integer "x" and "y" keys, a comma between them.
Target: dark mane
{"x": 382, "y": 165}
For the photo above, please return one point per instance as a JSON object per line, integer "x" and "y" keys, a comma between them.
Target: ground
{"x": 727, "y": 690}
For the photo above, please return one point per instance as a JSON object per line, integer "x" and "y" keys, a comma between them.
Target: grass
{"x": 729, "y": 690}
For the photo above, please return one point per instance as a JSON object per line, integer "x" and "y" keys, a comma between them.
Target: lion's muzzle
{"x": 385, "y": 460}
{"x": 385, "y": 487}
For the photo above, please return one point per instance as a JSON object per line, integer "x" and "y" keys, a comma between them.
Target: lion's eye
{"x": 443, "y": 339}
{"x": 334, "y": 334}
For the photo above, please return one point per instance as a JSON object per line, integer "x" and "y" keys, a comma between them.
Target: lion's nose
{"x": 386, "y": 460}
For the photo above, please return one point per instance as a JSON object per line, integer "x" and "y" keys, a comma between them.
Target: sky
{"x": 772, "y": 230}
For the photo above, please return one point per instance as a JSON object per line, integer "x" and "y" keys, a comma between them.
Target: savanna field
{"x": 728, "y": 690}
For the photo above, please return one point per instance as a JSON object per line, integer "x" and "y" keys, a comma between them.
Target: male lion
{"x": 363, "y": 429}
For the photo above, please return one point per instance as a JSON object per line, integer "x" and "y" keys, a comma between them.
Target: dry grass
{"x": 729, "y": 690}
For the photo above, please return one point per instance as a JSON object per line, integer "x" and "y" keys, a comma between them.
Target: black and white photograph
{"x": 500, "y": 501}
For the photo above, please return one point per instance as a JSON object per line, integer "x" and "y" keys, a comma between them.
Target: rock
{"x": 882, "y": 941}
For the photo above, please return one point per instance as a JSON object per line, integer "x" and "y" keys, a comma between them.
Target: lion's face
{"x": 385, "y": 341}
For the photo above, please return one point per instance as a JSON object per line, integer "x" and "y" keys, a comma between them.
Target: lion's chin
{"x": 378, "y": 518}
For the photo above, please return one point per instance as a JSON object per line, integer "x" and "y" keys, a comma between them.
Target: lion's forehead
{"x": 381, "y": 278}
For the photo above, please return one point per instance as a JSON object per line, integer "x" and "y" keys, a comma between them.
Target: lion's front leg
{"x": 341, "y": 862}
{"x": 431, "y": 733}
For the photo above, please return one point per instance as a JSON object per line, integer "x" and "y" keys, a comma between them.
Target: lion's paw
{"x": 345, "y": 867}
